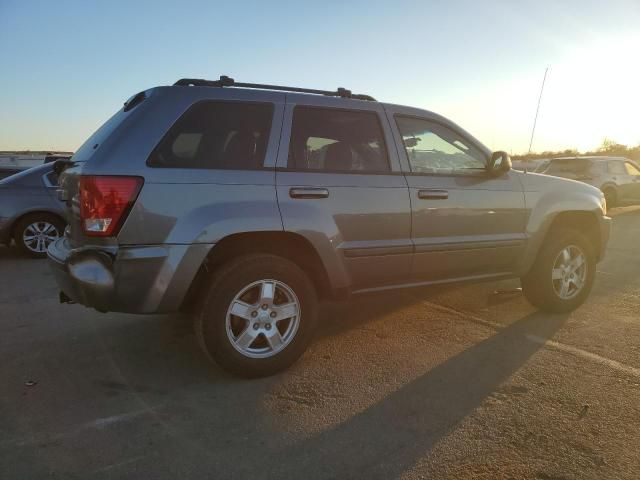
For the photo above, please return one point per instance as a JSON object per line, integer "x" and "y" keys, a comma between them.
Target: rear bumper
{"x": 135, "y": 279}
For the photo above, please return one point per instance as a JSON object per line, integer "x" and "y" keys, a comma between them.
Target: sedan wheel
{"x": 39, "y": 235}
{"x": 34, "y": 233}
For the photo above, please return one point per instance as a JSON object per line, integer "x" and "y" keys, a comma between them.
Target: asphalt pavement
{"x": 457, "y": 382}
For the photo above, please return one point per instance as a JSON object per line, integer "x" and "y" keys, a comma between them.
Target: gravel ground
{"x": 458, "y": 382}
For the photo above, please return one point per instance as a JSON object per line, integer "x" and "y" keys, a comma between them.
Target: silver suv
{"x": 617, "y": 177}
{"x": 247, "y": 203}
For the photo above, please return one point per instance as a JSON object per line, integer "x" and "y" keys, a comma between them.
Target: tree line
{"x": 608, "y": 147}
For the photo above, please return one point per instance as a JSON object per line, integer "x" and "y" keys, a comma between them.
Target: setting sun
{"x": 591, "y": 95}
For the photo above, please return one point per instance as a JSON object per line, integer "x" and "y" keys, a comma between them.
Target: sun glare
{"x": 592, "y": 95}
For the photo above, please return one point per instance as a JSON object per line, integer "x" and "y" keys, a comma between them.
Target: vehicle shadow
{"x": 122, "y": 363}
{"x": 339, "y": 317}
{"x": 11, "y": 252}
{"x": 7, "y": 251}
{"x": 389, "y": 437}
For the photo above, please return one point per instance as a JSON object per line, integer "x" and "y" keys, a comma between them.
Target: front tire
{"x": 562, "y": 275}
{"x": 258, "y": 315}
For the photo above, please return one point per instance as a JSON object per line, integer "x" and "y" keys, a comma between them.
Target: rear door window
{"x": 335, "y": 140}
{"x": 617, "y": 168}
{"x": 571, "y": 167}
{"x": 217, "y": 135}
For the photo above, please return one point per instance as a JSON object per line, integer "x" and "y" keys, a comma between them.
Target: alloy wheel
{"x": 263, "y": 318}
{"x": 39, "y": 235}
{"x": 569, "y": 272}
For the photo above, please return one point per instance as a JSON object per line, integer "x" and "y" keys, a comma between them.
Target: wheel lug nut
{"x": 254, "y": 314}
{"x": 256, "y": 326}
{"x": 265, "y": 306}
{"x": 268, "y": 326}
{"x": 272, "y": 314}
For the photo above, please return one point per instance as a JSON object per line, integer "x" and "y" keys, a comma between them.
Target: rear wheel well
{"x": 610, "y": 191}
{"x": 284, "y": 244}
{"x": 19, "y": 219}
{"x": 584, "y": 222}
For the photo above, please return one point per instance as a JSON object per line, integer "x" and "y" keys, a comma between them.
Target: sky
{"x": 66, "y": 66}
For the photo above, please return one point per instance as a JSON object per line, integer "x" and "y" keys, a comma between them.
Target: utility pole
{"x": 535, "y": 120}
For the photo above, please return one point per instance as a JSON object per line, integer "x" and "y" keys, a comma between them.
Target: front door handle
{"x": 433, "y": 194}
{"x": 308, "y": 192}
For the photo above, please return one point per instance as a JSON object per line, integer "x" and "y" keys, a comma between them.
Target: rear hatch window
{"x": 100, "y": 135}
{"x": 70, "y": 177}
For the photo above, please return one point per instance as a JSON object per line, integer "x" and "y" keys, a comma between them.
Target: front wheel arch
{"x": 613, "y": 197}
{"x": 581, "y": 221}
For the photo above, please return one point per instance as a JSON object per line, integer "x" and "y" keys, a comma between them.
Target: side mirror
{"x": 500, "y": 163}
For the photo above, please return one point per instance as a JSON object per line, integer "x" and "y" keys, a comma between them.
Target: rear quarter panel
{"x": 188, "y": 206}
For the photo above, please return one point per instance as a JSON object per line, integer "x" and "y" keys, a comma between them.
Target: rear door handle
{"x": 308, "y": 192}
{"x": 433, "y": 194}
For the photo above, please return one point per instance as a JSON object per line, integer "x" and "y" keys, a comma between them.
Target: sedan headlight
{"x": 603, "y": 204}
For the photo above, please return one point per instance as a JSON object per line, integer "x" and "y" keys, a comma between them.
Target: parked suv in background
{"x": 249, "y": 203}
{"x": 617, "y": 177}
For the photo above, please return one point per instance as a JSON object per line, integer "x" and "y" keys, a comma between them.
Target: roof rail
{"x": 225, "y": 81}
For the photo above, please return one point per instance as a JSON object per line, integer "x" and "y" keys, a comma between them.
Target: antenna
{"x": 535, "y": 120}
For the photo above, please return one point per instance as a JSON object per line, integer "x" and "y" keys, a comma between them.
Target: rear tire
{"x": 35, "y": 232}
{"x": 611, "y": 196}
{"x": 257, "y": 316}
{"x": 552, "y": 283}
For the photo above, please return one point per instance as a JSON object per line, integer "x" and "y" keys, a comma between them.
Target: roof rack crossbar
{"x": 225, "y": 81}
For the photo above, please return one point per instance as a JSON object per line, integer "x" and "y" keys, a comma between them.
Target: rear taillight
{"x": 105, "y": 203}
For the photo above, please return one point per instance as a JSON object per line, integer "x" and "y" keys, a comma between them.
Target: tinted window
{"x": 572, "y": 165}
{"x": 52, "y": 178}
{"x": 217, "y": 135}
{"x": 631, "y": 169}
{"x": 337, "y": 140}
{"x": 434, "y": 148}
{"x": 617, "y": 168}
